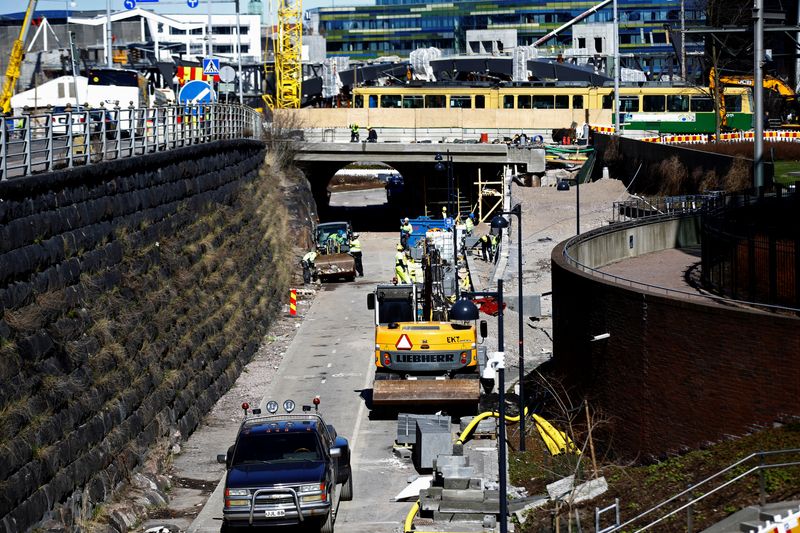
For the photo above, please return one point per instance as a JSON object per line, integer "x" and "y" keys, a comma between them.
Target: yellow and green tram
{"x": 661, "y": 110}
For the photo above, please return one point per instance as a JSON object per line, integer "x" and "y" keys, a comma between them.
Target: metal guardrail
{"x": 36, "y": 143}
{"x": 657, "y": 289}
{"x": 761, "y": 467}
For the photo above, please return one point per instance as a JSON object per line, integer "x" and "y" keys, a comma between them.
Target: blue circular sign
{"x": 197, "y": 92}
{"x": 129, "y": 4}
{"x": 192, "y": 3}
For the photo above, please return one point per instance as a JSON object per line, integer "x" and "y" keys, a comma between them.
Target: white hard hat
{"x": 405, "y": 219}
{"x": 355, "y": 235}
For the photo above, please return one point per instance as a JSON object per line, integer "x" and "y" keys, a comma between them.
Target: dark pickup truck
{"x": 285, "y": 469}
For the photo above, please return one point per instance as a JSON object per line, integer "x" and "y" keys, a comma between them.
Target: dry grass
{"x": 25, "y": 319}
{"x": 674, "y": 176}
{"x": 738, "y": 176}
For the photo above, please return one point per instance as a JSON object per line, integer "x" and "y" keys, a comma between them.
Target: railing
{"x": 35, "y": 143}
{"x": 735, "y": 471}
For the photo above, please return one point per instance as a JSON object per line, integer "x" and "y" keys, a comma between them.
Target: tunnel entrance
{"x": 369, "y": 195}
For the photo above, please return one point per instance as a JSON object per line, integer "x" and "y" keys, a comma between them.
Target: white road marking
{"x": 360, "y": 416}
{"x": 333, "y": 351}
{"x": 330, "y": 365}
{"x": 323, "y": 381}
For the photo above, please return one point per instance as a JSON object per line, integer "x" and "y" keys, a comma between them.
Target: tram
{"x": 655, "y": 109}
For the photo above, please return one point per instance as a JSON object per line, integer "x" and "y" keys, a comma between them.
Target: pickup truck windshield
{"x": 272, "y": 447}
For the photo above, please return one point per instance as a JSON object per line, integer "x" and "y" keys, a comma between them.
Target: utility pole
{"x": 683, "y": 40}
{"x": 758, "y": 95}
{"x": 239, "y": 52}
{"x": 617, "y": 126}
{"x": 210, "y": 48}
{"x": 109, "y": 53}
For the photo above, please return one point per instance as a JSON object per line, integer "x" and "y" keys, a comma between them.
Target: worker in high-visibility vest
{"x": 308, "y": 266}
{"x": 401, "y": 266}
{"x": 469, "y": 224}
{"x": 405, "y": 232}
{"x": 412, "y": 269}
{"x": 355, "y": 251}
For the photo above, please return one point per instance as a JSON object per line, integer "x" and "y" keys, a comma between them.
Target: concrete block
{"x": 403, "y": 452}
{"x": 487, "y": 425}
{"x": 561, "y": 488}
{"x": 466, "y": 495}
{"x": 443, "y": 461}
{"x": 489, "y": 521}
{"x": 476, "y": 483}
{"x": 457, "y": 477}
{"x": 434, "y": 493}
{"x": 407, "y": 425}
{"x": 590, "y": 489}
{"x": 432, "y": 441}
{"x": 522, "y": 514}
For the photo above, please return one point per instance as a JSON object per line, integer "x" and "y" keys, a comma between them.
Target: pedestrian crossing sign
{"x": 210, "y": 66}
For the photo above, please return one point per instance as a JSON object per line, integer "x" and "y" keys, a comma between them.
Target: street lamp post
{"x": 499, "y": 222}
{"x": 501, "y": 392}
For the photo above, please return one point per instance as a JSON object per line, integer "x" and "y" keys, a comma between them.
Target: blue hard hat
{"x": 472, "y": 215}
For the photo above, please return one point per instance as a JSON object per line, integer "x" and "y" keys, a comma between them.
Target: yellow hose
{"x": 474, "y": 422}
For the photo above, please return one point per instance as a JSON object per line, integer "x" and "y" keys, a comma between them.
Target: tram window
{"x": 733, "y": 103}
{"x": 435, "y": 100}
{"x": 542, "y": 102}
{"x": 677, "y": 103}
{"x": 524, "y": 101}
{"x": 463, "y": 102}
{"x": 390, "y": 100}
{"x": 702, "y": 104}
{"x": 508, "y": 101}
{"x": 629, "y": 104}
{"x": 562, "y": 101}
{"x": 480, "y": 101}
{"x": 413, "y": 102}
{"x": 608, "y": 101}
{"x": 373, "y": 100}
{"x": 653, "y": 103}
{"x": 577, "y": 101}
{"x": 358, "y": 100}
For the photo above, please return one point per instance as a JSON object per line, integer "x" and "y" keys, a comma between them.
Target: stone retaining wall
{"x": 132, "y": 294}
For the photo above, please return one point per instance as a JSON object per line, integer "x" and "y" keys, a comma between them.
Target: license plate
{"x": 275, "y": 514}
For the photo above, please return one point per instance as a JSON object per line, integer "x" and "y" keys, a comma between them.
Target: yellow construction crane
{"x": 288, "y": 56}
{"x": 15, "y": 60}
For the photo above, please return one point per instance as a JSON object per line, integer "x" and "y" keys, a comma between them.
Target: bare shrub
{"x": 673, "y": 176}
{"x": 612, "y": 153}
{"x": 738, "y": 176}
{"x": 281, "y": 136}
{"x": 708, "y": 181}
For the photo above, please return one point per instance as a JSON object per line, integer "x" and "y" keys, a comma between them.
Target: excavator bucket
{"x": 331, "y": 266}
{"x": 426, "y": 391}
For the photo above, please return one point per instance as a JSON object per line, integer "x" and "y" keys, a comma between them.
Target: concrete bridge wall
{"x": 675, "y": 373}
{"x": 132, "y": 295}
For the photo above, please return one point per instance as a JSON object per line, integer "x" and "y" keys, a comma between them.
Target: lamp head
{"x": 438, "y": 156}
{"x": 464, "y": 311}
{"x": 499, "y": 222}
{"x": 439, "y": 166}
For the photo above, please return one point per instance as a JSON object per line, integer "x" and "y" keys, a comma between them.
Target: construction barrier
{"x": 739, "y": 136}
{"x": 603, "y": 129}
{"x": 788, "y": 524}
{"x": 293, "y": 302}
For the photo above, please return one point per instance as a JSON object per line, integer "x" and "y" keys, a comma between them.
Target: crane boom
{"x": 15, "y": 60}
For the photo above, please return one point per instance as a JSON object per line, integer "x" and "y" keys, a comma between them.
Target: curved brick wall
{"x": 131, "y": 295}
{"x": 674, "y": 374}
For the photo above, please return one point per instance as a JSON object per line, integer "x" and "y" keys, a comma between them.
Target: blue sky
{"x": 163, "y": 6}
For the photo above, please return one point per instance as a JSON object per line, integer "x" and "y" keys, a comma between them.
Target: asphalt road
{"x": 331, "y": 356}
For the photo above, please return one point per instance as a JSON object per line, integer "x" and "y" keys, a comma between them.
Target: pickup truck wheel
{"x": 347, "y": 489}
{"x": 326, "y": 526}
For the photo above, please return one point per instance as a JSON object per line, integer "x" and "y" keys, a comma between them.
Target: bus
{"x": 648, "y": 109}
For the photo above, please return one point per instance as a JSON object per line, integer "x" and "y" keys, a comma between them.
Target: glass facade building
{"x": 397, "y": 27}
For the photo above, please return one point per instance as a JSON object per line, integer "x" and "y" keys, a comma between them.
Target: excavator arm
{"x": 15, "y": 60}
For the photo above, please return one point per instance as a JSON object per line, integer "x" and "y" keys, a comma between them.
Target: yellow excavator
{"x": 15, "y": 60}
{"x": 426, "y": 351}
{"x": 782, "y": 94}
